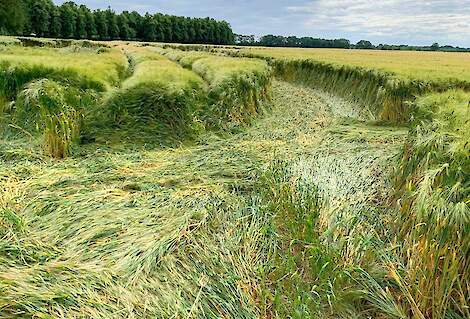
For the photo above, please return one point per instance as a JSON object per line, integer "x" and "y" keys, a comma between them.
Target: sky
{"x": 414, "y": 22}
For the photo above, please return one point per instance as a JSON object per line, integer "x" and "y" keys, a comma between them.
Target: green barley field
{"x": 149, "y": 180}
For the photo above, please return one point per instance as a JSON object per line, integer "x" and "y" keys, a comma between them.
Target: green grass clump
{"x": 142, "y": 54}
{"x": 161, "y": 70}
{"x": 433, "y": 184}
{"x": 363, "y": 256}
{"x": 159, "y": 92}
{"x": 330, "y": 233}
{"x": 237, "y": 88}
{"x": 55, "y": 111}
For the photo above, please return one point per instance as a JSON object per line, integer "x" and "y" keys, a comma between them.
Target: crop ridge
{"x": 238, "y": 88}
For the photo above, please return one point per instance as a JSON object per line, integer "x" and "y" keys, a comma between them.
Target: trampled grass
{"x": 316, "y": 209}
{"x": 177, "y": 247}
{"x": 192, "y": 213}
{"x": 186, "y": 59}
{"x": 188, "y": 239}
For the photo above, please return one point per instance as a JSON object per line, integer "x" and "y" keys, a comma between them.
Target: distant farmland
{"x": 413, "y": 65}
{"x": 152, "y": 180}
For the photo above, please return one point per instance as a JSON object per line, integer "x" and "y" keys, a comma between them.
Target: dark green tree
{"x": 112, "y": 22}
{"x": 55, "y": 26}
{"x": 124, "y": 29}
{"x": 90, "y": 26}
{"x": 101, "y": 25}
{"x": 125, "y": 21}
{"x": 13, "y": 16}
{"x": 364, "y": 44}
{"x": 149, "y": 28}
{"x": 80, "y": 29}
{"x": 166, "y": 28}
{"x": 176, "y": 29}
{"x": 68, "y": 18}
{"x": 159, "y": 21}
{"x": 135, "y": 23}
{"x": 39, "y": 17}
{"x": 191, "y": 29}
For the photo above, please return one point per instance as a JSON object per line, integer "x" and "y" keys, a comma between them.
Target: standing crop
{"x": 54, "y": 110}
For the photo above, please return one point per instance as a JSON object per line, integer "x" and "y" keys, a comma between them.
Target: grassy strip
{"x": 386, "y": 89}
{"x": 159, "y": 92}
{"x": 191, "y": 239}
{"x": 134, "y": 233}
{"x": 14, "y": 77}
{"x": 50, "y": 43}
{"x": 6, "y": 41}
{"x": 330, "y": 234}
{"x": 53, "y": 88}
{"x": 237, "y": 87}
{"x": 96, "y": 68}
{"x": 430, "y": 268}
{"x": 186, "y": 59}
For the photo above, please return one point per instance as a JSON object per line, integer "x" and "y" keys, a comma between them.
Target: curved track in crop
{"x": 118, "y": 232}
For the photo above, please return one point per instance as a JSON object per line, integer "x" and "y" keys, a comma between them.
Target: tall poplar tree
{"x": 90, "y": 25}
{"x": 55, "y": 26}
{"x": 111, "y": 20}
{"x": 68, "y": 20}
{"x": 101, "y": 25}
{"x": 80, "y": 31}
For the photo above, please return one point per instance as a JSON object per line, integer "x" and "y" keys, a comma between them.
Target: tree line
{"x": 304, "y": 42}
{"x": 309, "y": 42}
{"x": 71, "y": 21}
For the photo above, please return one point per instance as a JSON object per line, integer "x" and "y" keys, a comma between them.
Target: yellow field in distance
{"x": 428, "y": 66}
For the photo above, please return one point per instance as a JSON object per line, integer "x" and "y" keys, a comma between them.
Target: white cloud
{"x": 391, "y": 19}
